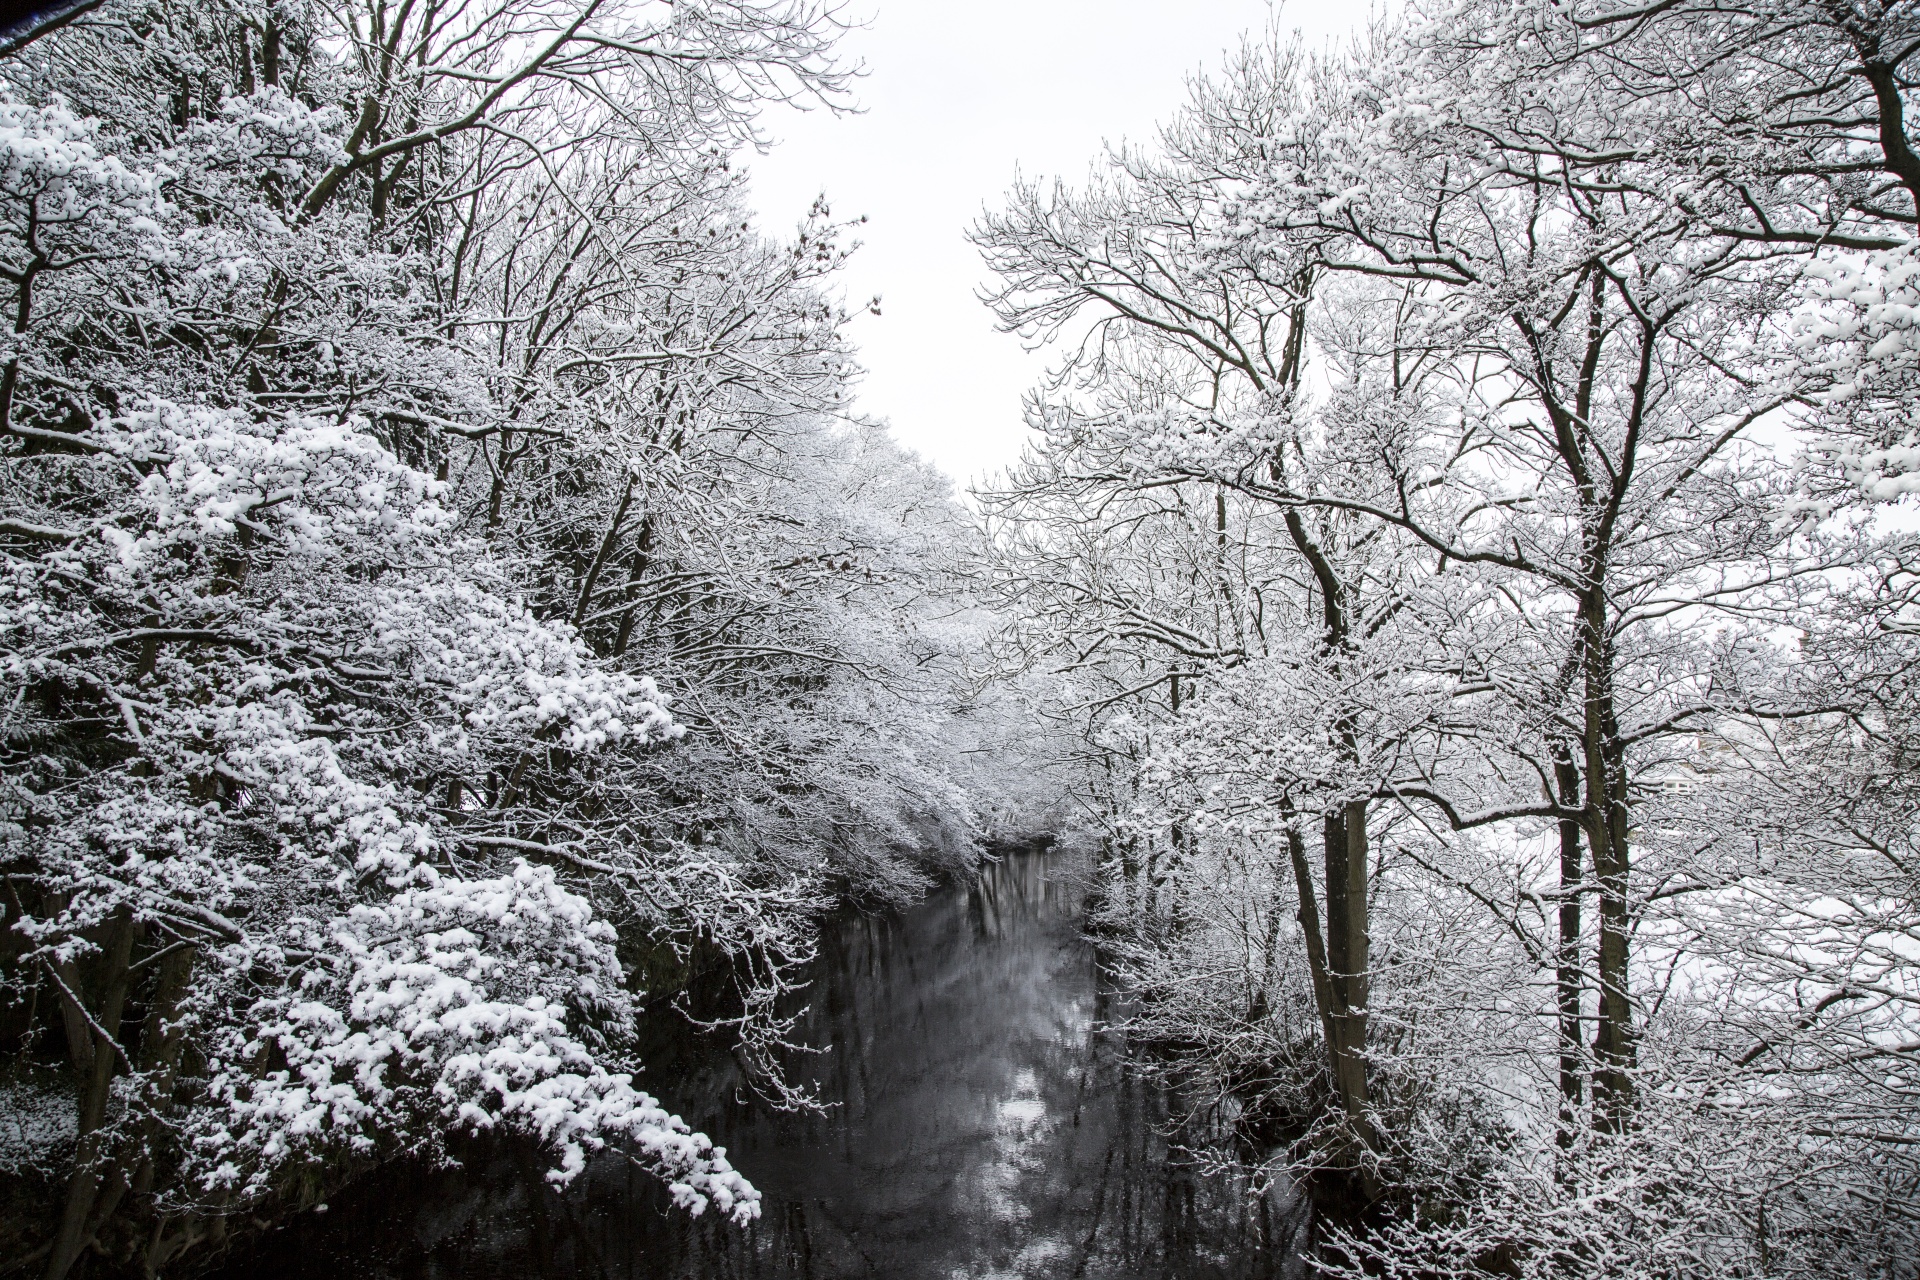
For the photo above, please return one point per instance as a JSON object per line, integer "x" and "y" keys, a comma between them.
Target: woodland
{"x": 1460, "y": 603}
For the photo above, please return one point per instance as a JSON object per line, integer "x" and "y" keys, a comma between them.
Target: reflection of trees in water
{"x": 978, "y": 1124}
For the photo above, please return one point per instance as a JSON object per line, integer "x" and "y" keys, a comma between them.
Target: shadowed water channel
{"x": 979, "y": 1124}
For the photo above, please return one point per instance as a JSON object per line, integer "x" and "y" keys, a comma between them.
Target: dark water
{"x": 980, "y": 1124}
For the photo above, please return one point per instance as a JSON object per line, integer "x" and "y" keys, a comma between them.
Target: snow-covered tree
{"x": 445, "y": 591}
{"x": 1548, "y": 421}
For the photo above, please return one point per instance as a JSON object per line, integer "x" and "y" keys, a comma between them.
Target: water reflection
{"x": 979, "y": 1125}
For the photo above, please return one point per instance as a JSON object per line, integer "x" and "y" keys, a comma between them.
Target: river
{"x": 980, "y": 1122}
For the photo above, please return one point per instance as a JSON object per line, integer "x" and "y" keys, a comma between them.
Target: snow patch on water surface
{"x": 1023, "y": 1111}
{"x": 1025, "y": 1108}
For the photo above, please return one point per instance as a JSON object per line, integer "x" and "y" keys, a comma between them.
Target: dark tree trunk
{"x": 1344, "y": 841}
{"x": 1567, "y": 956}
{"x": 1607, "y": 840}
{"x": 92, "y": 1165}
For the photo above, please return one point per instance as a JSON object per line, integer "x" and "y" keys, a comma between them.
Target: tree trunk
{"x": 642, "y": 559}
{"x": 161, "y": 1044}
{"x": 1343, "y": 1025}
{"x": 1607, "y": 839}
{"x": 1309, "y": 917}
{"x": 73, "y": 1018}
{"x": 591, "y": 579}
{"x": 90, "y": 1155}
{"x": 1567, "y": 956}
{"x": 1344, "y": 839}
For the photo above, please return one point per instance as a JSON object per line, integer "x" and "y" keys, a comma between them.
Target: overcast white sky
{"x": 957, "y": 97}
